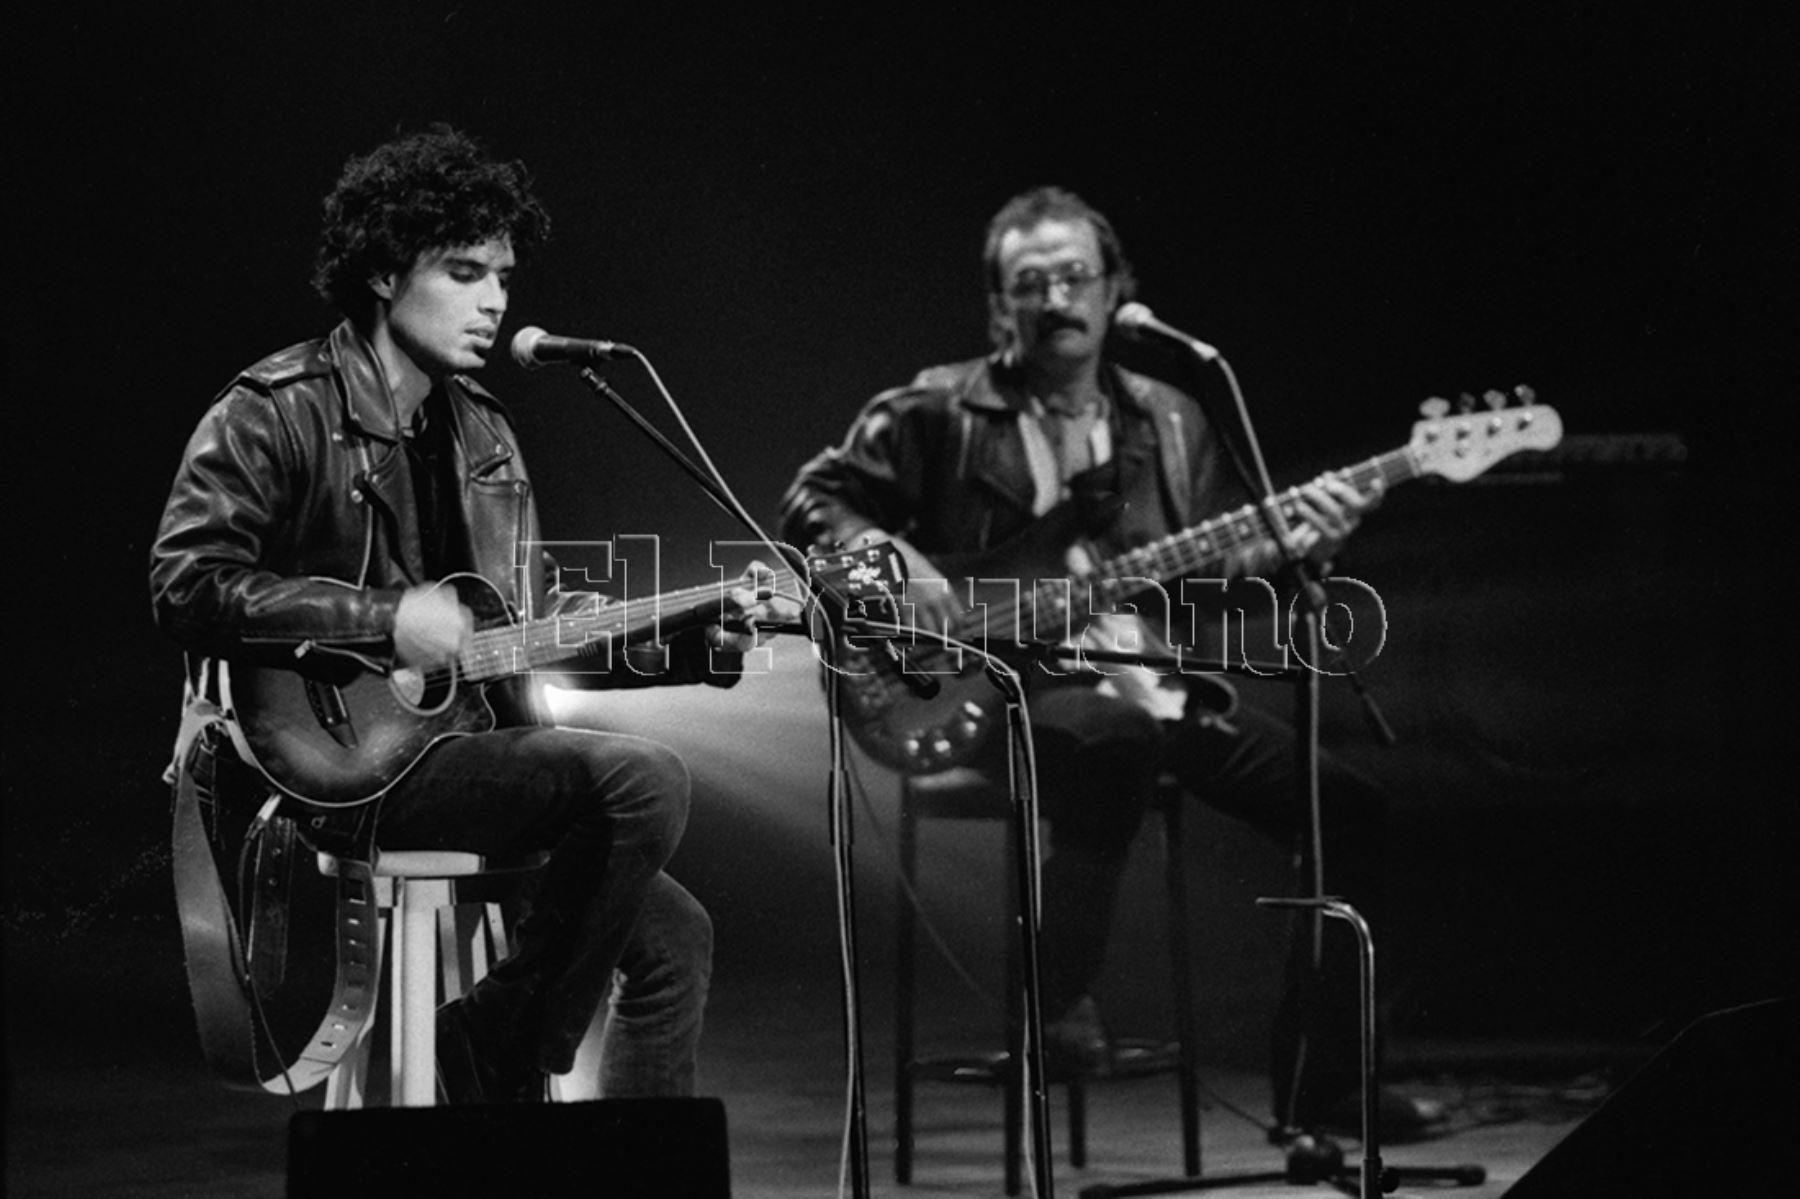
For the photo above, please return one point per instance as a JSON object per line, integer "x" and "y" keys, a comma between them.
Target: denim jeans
{"x": 606, "y": 924}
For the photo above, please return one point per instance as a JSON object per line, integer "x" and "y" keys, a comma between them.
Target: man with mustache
{"x": 971, "y": 454}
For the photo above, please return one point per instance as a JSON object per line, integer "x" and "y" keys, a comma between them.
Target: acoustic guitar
{"x": 338, "y": 743}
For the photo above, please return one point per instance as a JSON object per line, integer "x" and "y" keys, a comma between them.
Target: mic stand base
{"x": 1312, "y": 1159}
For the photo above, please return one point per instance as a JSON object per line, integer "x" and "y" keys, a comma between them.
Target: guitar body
{"x": 907, "y": 732}
{"x": 903, "y": 731}
{"x": 342, "y": 739}
{"x": 338, "y": 744}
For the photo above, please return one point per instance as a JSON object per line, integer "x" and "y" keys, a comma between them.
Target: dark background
{"x": 1586, "y": 664}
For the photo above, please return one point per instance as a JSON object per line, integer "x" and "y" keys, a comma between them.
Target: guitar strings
{"x": 1177, "y": 554}
{"x": 497, "y": 651}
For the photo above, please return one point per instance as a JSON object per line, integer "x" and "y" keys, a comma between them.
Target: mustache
{"x": 1050, "y": 322}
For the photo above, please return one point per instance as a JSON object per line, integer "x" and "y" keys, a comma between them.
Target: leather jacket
{"x": 942, "y": 462}
{"x": 295, "y": 484}
{"x": 291, "y": 529}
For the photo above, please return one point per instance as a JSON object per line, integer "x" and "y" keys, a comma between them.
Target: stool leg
{"x": 489, "y": 942}
{"x": 396, "y": 972}
{"x": 1013, "y": 1105}
{"x": 1187, "y": 1075}
{"x": 462, "y": 948}
{"x": 904, "y": 995}
{"x": 420, "y": 902}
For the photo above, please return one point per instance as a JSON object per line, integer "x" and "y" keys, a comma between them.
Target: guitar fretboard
{"x": 1207, "y": 546}
{"x": 1189, "y": 553}
{"x": 515, "y": 648}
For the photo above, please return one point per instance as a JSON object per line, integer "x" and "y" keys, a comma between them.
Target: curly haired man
{"x": 324, "y": 494}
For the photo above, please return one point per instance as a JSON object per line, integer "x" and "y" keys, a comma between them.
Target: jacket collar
{"x": 996, "y": 386}
{"x": 369, "y": 404}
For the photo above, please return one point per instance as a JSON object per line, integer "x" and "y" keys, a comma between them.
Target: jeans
{"x": 606, "y": 924}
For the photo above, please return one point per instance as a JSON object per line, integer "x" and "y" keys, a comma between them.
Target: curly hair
{"x": 418, "y": 193}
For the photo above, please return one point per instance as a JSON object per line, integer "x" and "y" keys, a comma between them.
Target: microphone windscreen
{"x": 524, "y": 346}
{"x": 1134, "y": 316}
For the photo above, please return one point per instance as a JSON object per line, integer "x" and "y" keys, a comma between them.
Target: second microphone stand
{"x": 1310, "y": 1159}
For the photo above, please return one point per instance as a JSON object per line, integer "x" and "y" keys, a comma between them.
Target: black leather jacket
{"x": 295, "y": 484}
{"x": 291, "y": 530}
{"x": 942, "y": 463}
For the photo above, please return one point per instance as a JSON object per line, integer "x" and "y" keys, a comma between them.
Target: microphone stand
{"x": 825, "y": 607}
{"x": 830, "y": 619}
{"x": 1307, "y": 692}
{"x": 1310, "y": 1158}
{"x": 707, "y": 483}
{"x": 844, "y": 862}
{"x": 1021, "y": 783}
{"x": 1021, "y": 780}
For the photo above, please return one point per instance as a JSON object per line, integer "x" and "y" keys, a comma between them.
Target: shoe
{"x": 1403, "y": 1118}
{"x": 1077, "y": 1045}
{"x": 473, "y": 1068}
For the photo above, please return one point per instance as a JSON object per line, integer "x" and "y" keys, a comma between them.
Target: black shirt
{"x": 431, "y": 458}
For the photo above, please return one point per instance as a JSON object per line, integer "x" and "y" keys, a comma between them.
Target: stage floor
{"x": 107, "y": 1095}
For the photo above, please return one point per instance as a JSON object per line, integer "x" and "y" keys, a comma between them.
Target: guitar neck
{"x": 536, "y": 644}
{"x": 1188, "y": 553}
{"x": 1207, "y": 546}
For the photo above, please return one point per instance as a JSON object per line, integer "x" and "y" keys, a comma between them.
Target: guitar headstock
{"x": 873, "y": 574}
{"x": 1462, "y": 444}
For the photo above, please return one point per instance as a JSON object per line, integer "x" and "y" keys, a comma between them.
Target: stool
{"x": 441, "y": 914}
{"x": 967, "y": 794}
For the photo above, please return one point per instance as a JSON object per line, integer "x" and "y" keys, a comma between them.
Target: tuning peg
{"x": 1527, "y": 395}
{"x": 1495, "y": 399}
{"x": 1435, "y": 408}
{"x": 1465, "y": 403}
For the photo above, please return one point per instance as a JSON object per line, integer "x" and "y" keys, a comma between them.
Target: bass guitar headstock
{"x": 1462, "y": 444}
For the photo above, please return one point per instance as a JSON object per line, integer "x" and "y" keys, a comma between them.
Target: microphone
{"x": 1137, "y": 318}
{"x": 532, "y": 348}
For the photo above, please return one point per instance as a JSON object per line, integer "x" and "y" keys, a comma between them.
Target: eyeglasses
{"x": 1031, "y": 289}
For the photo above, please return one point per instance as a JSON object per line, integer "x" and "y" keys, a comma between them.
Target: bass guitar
{"x": 1019, "y": 594}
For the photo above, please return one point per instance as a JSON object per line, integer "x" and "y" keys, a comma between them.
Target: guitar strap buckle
{"x": 340, "y": 832}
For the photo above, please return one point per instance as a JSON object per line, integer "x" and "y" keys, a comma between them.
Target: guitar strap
{"x": 226, "y": 974}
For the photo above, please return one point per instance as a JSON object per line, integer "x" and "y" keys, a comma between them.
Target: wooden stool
{"x": 441, "y": 915}
{"x": 967, "y": 794}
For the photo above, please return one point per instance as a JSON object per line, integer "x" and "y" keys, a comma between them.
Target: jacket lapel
{"x": 493, "y": 501}
{"x": 996, "y": 462}
{"x": 371, "y": 416}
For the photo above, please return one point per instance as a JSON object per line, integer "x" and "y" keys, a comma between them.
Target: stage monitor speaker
{"x": 619, "y": 1148}
{"x": 1710, "y": 1114}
